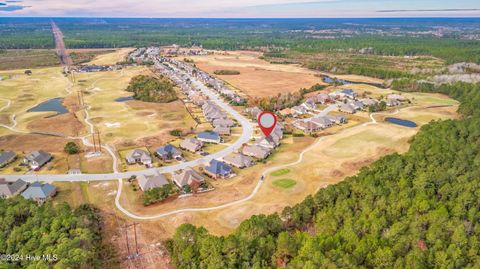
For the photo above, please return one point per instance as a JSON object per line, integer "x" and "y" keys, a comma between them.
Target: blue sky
{"x": 242, "y": 8}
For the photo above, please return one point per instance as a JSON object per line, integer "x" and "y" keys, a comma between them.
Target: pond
{"x": 401, "y": 122}
{"x": 346, "y": 82}
{"x": 54, "y": 105}
{"x": 124, "y": 99}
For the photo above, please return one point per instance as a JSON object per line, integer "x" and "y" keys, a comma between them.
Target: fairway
{"x": 285, "y": 183}
{"x": 280, "y": 172}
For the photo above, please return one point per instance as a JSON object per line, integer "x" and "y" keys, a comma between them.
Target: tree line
{"x": 151, "y": 89}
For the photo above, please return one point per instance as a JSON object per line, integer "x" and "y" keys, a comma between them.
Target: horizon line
{"x": 247, "y": 18}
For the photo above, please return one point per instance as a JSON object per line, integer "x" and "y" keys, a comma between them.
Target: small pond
{"x": 124, "y": 99}
{"x": 54, "y": 105}
{"x": 401, "y": 122}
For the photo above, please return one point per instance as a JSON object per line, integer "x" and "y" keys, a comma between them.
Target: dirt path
{"x": 60, "y": 47}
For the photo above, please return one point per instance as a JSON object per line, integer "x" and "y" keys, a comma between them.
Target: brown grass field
{"x": 257, "y": 78}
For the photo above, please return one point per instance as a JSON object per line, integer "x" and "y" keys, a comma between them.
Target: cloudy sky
{"x": 241, "y": 8}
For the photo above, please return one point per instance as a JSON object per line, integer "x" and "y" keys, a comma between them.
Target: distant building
{"x": 139, "y": 156}
{"x": 148, "y": 182}
{"x": 10, "y": 189}
{"x": 218, "y": 169}
{"x": 39, "y": 192}
{"x": 323, "y": 122}
{"x": 270, "y": 142}
{"x": 253, "y": 112}
{"x": 7, "y": 157}
{"x": 37, "y": 159}
{"x": 168, "y": 152}
{"x": 209, "y": 137}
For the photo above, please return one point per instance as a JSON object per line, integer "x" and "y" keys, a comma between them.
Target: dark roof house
{"x": 37, "y": 159}
{"x": 7, "y": 157}
{"x": 10, "y": 189}
{"x": 168, "y": 152}
{"x": 217, "y": 169}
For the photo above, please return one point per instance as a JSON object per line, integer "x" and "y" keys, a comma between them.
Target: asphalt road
{"x": 247, "y": 132}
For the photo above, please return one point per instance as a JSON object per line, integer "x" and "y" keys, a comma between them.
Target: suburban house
{"x": 239, "y": 160}
{"x": 349, "y": 93}
{"x": 191, "y": 144}
{"x": 369, "y": 101}
{"x": 256, "y": 151}
{"x": 357, "y": 105}
{"x": 10, "y": 189}
{"x": 339, "y": 119}
{"x": 347, "y": 108}
{"x": 224, "y": 122}
{"x": 218, "y": 169}
{"x": 39, "y": 192}
{"x": 323, "y": 122}
{"x": 299, "y": 110}
{"x": 148, "y": 182}
{"x": 7, "y": 157}
{"x": 222, "y": 130}
{"x": 139, "y": 156}
{"x": 37, "y": 159}
{"x": 306, "y": 126}
{"x": 396, "y": 97}
{"x": 393, "y": 102}
{"x": 270, "y": 142}
{"x": 168, "y": 152}
{"x": 188, "y": 177}
{"x": 209, "y": 137}
{"x": 323, "y": 98}
{"x": 309, "y": 105}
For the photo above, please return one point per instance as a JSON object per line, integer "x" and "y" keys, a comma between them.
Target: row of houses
{"x": 36, "y": 191}
{"x": 315, "y": 124}
{"x": 35, "y": 160}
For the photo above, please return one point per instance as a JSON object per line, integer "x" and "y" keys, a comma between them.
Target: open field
{"x": 130, "y": 123}
{"x": 82, "y": 56}
{"x": 111, "y": 58}
{"x": 257, "y": 78}
{"x": 27, "y": 59}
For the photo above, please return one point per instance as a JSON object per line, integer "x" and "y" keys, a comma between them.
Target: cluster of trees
{"x": 151, "y": 89}
{"x": 281, "y": 101}
{"x": 71, "y": 237}
{"x": 416, "y": 210}
{"x": 380, "y": 106}
{"x": 71, "y": 148}
{"x": 226, "y": 72}
{"x": 156, "y": 195}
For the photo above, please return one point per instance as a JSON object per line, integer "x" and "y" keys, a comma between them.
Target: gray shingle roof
{"x": 6, "y": 157}
{"x": 8, "y": 189}
{"x": 148, "y": 182}
{"x": 39, "y": 191}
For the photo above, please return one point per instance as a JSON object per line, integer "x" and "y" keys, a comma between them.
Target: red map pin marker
{"x": 267, "y": 122}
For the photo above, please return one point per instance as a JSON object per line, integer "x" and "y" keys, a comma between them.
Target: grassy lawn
{"x": 280, "y": 172}
{"x": 285, "y": 183}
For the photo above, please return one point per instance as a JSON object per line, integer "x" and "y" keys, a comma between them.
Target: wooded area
{"x": 71, "y": 237}
{"x": 151, "y": 89}
{"x": 417, "y": 210}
